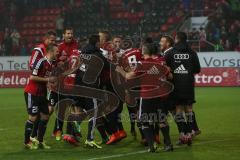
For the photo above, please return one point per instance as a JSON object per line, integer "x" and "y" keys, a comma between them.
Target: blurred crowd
{"x": 222, "y": 32}
{"x": 223, "y": 29}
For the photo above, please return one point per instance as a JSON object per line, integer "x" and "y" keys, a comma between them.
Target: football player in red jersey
{"x": 73, "y": 133}
{"x": 149, "y": 104}
{"x": 37, "y": 53}
{"x": 129, "y": 60}
{"x": 36, "y": 97}
{"x": 67, "y": 50}
{"x": 39, "y": 50}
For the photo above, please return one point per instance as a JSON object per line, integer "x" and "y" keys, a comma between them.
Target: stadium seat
{"x": 164, "y": 28}
{"x": 44, "y": 18}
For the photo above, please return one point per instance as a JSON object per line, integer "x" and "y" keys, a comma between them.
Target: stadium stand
{"x": 134, "y": 17}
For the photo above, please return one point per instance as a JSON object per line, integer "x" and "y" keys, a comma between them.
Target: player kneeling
{"x": 36, "y": 98}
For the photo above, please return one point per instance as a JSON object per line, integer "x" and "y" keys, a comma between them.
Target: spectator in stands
{"x": 223, "y": 32}
{"x": 125, "y": 4}
{"x": 233, "y": 36}
{"x": 202, "y": 34}
{"x": 235, "y": 5}
{"x": 2, "y": 49}
{"x": 237, "y": 48}
{"x": 59, "y": 26}
{"x": 195, "y": 34}
{"x": 219, "y": 46}
{"x": 24, "y": 50}
{"x": 186, "y": 5}
{"x": 15, "y": 35}
{"x": 227, "y": 45}
{"x": 7, "y": 42}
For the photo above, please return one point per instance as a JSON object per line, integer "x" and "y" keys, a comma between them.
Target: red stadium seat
{"x": 51, "y": 11}
{"x": 24, "y": 33}
{"x": 26, "y": 19}
{"x": 44, "y": 18}
{"x": 45, "y": 11}
{"x": 115, "y": 2}
{"x": 31, "y": 32}
{"x": 25, "y": 25}
{"x": 37, "y": 32}
{"x": 119, "y": 15}
{"x": 57, "y": 11}
{"x": 140, "y": 14}
{"x": 30, "y": 25}
{"x": 38, "y": 18}
{"x": 44, "y": 25}
{"x": 170, "y": 20}
{"x": 164, "y": 28}
{"x": 38, "y": 25}
{"x": 39, "y": 12}
{"x": 51, "y": 25}
{"x": 126, "y": 14}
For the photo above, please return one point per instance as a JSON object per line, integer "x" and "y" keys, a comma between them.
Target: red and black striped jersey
{"x": 41, "y": 68}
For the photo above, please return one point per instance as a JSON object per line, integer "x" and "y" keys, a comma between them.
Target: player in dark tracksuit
{"x": 184, "y": 64}
{"x": 88, "y": 104}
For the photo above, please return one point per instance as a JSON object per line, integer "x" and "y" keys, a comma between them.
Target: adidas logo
{"x": 153, "y": 70}
{"x": 181, "y": 70}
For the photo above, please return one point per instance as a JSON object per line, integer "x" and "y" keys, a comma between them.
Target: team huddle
{"x": 95, "y": 81}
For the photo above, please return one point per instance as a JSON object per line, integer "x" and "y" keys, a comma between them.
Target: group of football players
{"x": 65, "y": 78}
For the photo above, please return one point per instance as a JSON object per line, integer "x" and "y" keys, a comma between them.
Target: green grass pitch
{"x": 217, "y": 111}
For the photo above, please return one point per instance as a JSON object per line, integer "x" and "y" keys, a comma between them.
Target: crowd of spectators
{"x": 221, "y": 31}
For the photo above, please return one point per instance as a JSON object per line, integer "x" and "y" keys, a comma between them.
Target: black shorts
{"x": 84, "y": 103}
{"x": 54, "y": 98}
{"x": 183, "y": 101}
{"x": 168, "y": 103}
{"x": 36, "y": 104}
{"x": 148, "y": 110}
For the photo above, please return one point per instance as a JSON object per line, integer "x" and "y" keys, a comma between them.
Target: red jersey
{"x": 42, "y": 68}
{"x": 67, "y": 48}
{"x": 38, "y": 52}
{"x": 70, "y": 50}
{"x": 153, "y": 70}
{"x": 73, "y": 61}
{"x": 130, "y": 58}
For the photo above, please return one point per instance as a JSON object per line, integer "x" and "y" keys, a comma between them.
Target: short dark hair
{"x": 50, "y": 33}
{"x": 51, "y": 47}
{"x": 151, "y": 50}
{"x": 169, "y": 39}
{"x": 93, "y": 39}
{"x": 147, "y": 40}
{"x": 181, "y": 36}
{"x": 107, "y": 33}
{"x": 150, "y": 44}
{"x": 67, "y": 28}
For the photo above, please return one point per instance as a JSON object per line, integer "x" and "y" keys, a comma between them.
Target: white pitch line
{"x": 3, "y": 129}
{"x": 145, "y": 151}
{"x": 119, "y": 155}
